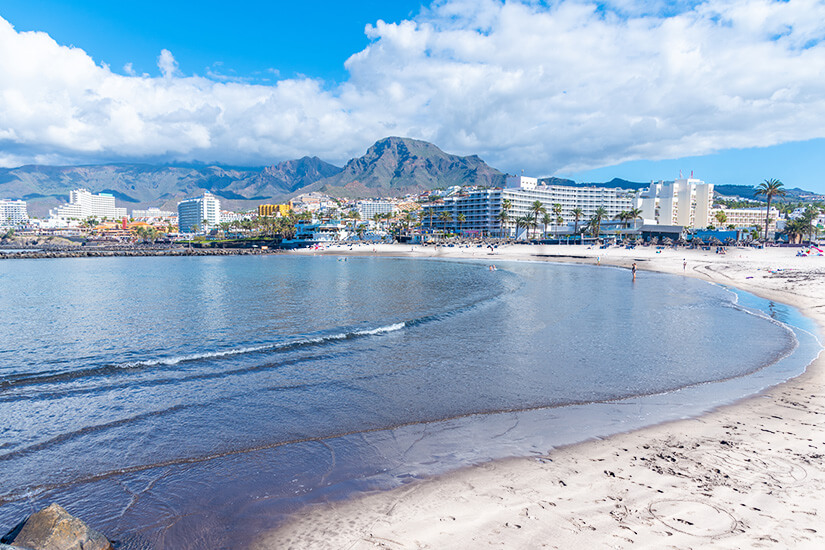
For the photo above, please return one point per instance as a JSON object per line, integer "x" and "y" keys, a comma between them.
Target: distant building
{"x": 200, "y": 214}
{"x": 84, "y": 205}
{"x": 229, "y": 217}
{"x": 13, "y": 213}
{"x": 152, "y": 214}
{"x": 273, "y": 209}
{"x": 368, "y": 209}
{"x": 686, "y": 202}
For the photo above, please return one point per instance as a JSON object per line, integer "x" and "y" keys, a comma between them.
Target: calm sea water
{"x": 193, "y": 402}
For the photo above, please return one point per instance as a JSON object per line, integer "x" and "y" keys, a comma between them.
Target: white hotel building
{"x": 481, "y": 208}
{"x": 200, "y": 214}
{"x": 84, "y": 205}
{"x": 13, "y": 213}
{"x": 368, "y": 209}
{"x": 686, "y": 202}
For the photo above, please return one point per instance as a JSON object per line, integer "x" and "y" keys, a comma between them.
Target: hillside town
{"x": 525, "y": 209}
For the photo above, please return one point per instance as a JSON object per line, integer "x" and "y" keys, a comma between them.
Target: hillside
{"x": 143, "y": 186}
{"x": 396, "y": 166}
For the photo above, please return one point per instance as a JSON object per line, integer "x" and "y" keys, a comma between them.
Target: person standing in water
{"x": 633, "y": 270}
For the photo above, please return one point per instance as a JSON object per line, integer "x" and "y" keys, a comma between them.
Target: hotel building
{"x": 368, "y": 209}
{"x": 481, "y": 208}
{"x": 84, "y": 205}
{"x": 198, "y": 215}
{"x": 746, "y": 217}
{"x": 13, "y": 213}
{"x": 686, "y": 202}
{"x": 152, "y": 214}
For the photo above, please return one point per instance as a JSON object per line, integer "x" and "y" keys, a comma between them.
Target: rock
{"x": 53, "y": 528}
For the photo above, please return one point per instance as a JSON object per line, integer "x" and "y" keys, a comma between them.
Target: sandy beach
{"x": 746, "y": 475}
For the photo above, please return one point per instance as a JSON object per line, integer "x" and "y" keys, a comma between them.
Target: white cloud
{"x": 565, "y": 86}
{"x": 167, "y": 64}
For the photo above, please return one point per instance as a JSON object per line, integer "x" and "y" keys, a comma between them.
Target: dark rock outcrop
{"x": 53, "y": 528}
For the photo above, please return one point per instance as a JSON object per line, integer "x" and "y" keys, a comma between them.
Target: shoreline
{"x": 746, "y": 474}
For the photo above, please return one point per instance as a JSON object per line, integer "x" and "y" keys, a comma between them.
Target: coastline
{"x": 748, "y": 474}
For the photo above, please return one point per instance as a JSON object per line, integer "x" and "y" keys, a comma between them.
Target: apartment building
{"x": 200, "y": 214}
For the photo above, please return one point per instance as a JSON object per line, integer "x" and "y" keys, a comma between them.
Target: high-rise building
{"x": 13, "y": 213}
{"x": 200, "y": 214}
{"x": 84, "y": 205}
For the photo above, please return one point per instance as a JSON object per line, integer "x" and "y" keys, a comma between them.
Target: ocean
{"x": 195, "y": 402}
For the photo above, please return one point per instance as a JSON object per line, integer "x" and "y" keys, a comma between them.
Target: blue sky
{"x": 244, "y": 38}
{"x": 730, "y": 89}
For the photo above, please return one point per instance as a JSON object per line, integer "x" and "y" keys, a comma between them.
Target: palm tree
{"x": 577, "y": 213}
{"x": 536, "y": 209}
{"x": 633, "y": 214}
{"x": 546, "y": 220}
{"x": 721, "y": 217}
{"x": 596, "y": 221}
{"x": 622, "y": 217}
{"x": 502, "y": 218}
{"x": 460, "y": 219}
{"x": 445, "y": 217}
{"x": 769, "y": 189}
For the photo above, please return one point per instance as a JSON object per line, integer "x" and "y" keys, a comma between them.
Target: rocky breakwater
{"x": 76, "y": 252}
{"x": 53, "y": 528}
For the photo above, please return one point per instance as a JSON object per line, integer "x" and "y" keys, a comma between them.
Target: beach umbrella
{"x": 668, "y": 241}
{"x": 698, "y": 241}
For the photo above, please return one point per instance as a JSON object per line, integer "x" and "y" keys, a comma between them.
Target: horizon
{"x": 570, "y": 89}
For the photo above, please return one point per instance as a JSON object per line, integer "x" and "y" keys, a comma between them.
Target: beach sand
{"x": 747, "y": 475}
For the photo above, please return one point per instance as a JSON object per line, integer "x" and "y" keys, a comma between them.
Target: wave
{"x": 107, "y": 370}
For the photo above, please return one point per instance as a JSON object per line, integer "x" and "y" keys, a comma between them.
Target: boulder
{"x": 53, "y": 528}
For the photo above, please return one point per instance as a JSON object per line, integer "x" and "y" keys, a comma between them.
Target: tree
{"x": 535, "y": 210}
{"x": 557, "y": 212}
{"x": 445, "y": 217}
{"x": 577, "y": 213}
{"x": 769, "y": 189}
{"x": 546, "y": 220}
{"x": 623, "y": 217}
{"x": 633, "y": 214}
{"x": 596, "y": 221}
{"x": 721, "y": 217}
{"x": 460, "y": 219}
{"x": 502, "y": 219}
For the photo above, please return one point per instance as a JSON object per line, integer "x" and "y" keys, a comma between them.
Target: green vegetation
{"x": 769, "y": 189}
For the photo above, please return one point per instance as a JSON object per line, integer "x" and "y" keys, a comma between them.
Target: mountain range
{"x": 393, "y": 166}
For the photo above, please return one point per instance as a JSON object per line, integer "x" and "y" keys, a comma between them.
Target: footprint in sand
{"x": 763, "y": 468}
{"x": 693, "y": 518}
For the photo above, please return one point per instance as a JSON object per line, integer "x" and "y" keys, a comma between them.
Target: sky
{"x": 729, "y": 89}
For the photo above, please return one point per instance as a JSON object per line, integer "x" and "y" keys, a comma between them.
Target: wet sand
{"x": 747, "y": 475}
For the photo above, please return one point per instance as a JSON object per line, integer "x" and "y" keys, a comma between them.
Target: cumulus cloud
{"x": 547, "y": 87}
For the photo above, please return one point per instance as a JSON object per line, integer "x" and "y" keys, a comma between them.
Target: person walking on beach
{"x": 684, "y": 264}
{"x": 633, "y": 270}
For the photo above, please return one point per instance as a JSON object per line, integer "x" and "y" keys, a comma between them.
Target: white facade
{"x": 84, "y": 205}
{"x": 686, "y": 202}
{"x": 368, "y": 209}
{"x": 200, "y": 214}
{"x": 746, "y": 217}
{"x": 481, "y": 208}
{"x": 13, "y": 213}
{"x": 152, "y": 214}
{"x": 229, "y": 217}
